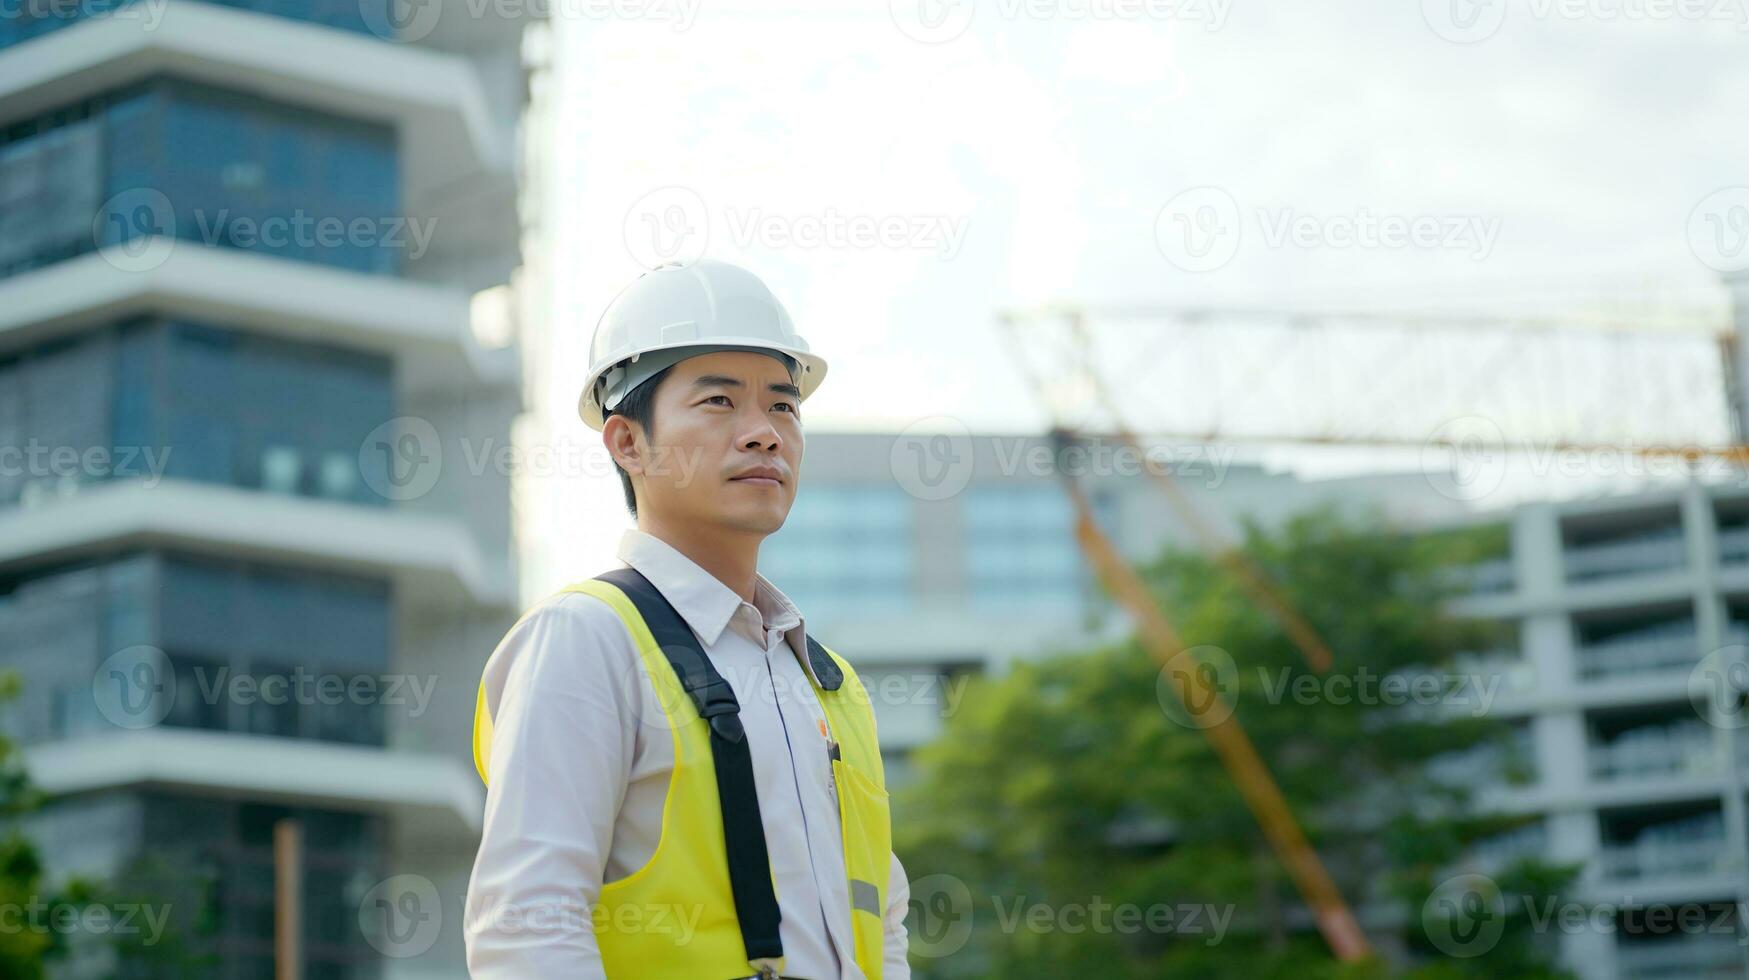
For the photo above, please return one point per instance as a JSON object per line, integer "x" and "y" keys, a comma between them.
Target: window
{"x": 845, "y": 550}
{"x": 188, "y": 401}
{"x": 210, "y": 166}
{"x": 32, "y": 20}
{"x": 1020, "y": 549}
{"x": 225, "y": 627}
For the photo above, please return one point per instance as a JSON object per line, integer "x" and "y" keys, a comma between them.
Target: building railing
{"x": 1689, "y": 958}
{"x": 1661, "y": 858}
{"x": 1641, "y": 554}
{"x": 1656, "y": 751}
{"x": 1734, "y": 544}
{"x": 1489, "y": 577}
{"x": 1677, "y": 649}
{"x": 28, "y": 21}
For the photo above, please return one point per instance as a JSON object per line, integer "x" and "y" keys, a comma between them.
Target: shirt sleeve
{"x": 895, "y": 966}
{"x": 558, "y": 690}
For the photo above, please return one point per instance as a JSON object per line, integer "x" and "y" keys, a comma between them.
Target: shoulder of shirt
{"x": 573, "y": 609}
{"x": 563, "y": 631}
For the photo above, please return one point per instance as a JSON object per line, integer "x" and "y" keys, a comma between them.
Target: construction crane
{"x": 1421, "y": 373}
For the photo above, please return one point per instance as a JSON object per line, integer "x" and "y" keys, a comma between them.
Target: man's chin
{"x": 755, "y": 521}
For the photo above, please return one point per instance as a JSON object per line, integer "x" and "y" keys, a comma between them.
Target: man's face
{"x": 727, "y": 446}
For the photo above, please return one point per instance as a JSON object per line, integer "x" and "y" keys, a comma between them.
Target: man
{"x": 681, "y": 783}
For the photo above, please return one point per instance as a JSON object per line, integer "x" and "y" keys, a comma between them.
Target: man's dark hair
{"x": 640, "y": 407}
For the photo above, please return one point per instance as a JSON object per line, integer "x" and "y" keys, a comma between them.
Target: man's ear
{"x": 621, "y": 437}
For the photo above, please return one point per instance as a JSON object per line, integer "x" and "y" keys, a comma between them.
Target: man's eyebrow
{"x": 724, "y": 381}
{"x": 716, "y": 381}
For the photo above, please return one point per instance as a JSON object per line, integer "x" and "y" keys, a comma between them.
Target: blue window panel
{"x": 218, "y": 168}
{"x": 845, "y": 550}
{"x": 210, "y": 405}
{"x": 1020, "y": 549}
{"x": 356, "y": 16}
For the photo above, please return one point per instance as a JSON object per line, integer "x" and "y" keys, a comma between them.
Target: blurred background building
{"x": 241, "y": 243}
{"x": 267, "y": 280}
{"x": 1625, "y": 609}
{"x": 968, "y": 540}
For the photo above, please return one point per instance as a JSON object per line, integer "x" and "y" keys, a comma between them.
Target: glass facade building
{"x": 220, "y": 623}
{"x": 36, "y": 18}
{"x": 170, "y": 399}
{"x": 845, "y": 548}
{"x": 270, "y": 649}
{"x": 188, "y": 161}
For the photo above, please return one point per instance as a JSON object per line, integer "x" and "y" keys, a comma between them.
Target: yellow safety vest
{"x": 644, "y": 922}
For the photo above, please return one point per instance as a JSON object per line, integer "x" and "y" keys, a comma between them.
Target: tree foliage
{"x": 1074, "y": 783}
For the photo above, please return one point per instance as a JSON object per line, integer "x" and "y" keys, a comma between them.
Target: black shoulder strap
{"x": 743, "y": 831}
{"x": 825, "y": 668}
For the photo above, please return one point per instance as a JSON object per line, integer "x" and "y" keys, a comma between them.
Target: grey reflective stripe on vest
{"x": 865, "y": 896}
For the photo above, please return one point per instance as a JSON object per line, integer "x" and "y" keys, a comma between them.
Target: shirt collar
{"x": 704, "y": 602}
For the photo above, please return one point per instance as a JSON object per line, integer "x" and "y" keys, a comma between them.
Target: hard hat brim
{"x": 811, "y": 370}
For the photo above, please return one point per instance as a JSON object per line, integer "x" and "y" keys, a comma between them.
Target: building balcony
{"x": 436, "y": 101}
{"x": 1671, "y": 647}
{"x": 426, "y": 787}
{"x": 1657, "y": 551}
{"x": 1687, "y": 958}
{"x": 427, "y": 328}
{"x": 1734, "y": 545}
{"x": 1489, "y": 577}
{"x": 431, "y": 557}
{"x": 1664, "y": 859}
{"x": 359, "y": 16}
{"x": 1655, "y": 753}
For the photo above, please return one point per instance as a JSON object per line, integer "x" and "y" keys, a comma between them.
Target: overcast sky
{"x": 1391, "y": 155}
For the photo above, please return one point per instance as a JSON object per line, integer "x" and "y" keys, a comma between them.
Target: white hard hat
{"x": 677, "y": 311}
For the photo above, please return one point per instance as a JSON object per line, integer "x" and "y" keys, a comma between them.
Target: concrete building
{"x": 965, "y": 560}
{"x": 258, "y": 266}
{"x": 1630, "y": 613}
{"x": 928, "y": 556}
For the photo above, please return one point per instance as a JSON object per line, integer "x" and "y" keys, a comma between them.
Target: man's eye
{"x": 786, "y": 406}
{"x": 717, "y": 400}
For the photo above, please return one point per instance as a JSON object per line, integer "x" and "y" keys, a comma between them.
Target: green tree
{"x": 1075, "y": 783}
{"x": 31, "y": 907}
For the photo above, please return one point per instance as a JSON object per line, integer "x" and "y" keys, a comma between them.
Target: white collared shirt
{"x": 581, "y": 758}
